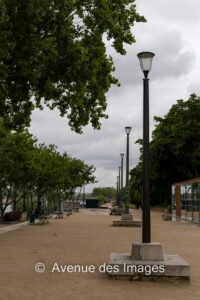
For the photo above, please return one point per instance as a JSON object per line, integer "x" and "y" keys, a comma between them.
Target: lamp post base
{"x": 147, "y": 261}
{"x": 126, "y": 217}
{"x": 127, "y": 220}
{"x": 119, "y": 211}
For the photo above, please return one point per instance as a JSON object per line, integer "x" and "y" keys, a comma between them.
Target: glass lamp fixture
{"x": 145, "y": 59}
{"x": 122, "y": 155}
{"x": 128, "y": 130}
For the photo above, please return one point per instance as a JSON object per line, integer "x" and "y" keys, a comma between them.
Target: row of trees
{"x": 174, "y": 152}
{"x": 29, "y": 170}
{"x": 104, "y": 193}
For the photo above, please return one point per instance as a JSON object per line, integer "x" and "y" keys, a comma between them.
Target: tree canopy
{"x": 174, "y": 151}
{"x": 104, "y": 192}
{"x": 53, "y": 53}
{"x": 29, "y": 169}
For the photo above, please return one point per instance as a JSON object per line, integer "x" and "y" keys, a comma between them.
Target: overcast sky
{"x": 172, "y": 33}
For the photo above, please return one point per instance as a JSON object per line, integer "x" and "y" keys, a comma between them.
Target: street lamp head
{"x": 145, "y": 59}
{"x": 128, "y": 130}
{"x": 119, "y": 168}
{"x": 122, "y": 155}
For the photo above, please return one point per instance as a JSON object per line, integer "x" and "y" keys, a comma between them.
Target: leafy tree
{"x": 29, "y": 171}
{"x": 15, "y": 165}
{"x": 106, "y": 192}
{"x": 174, "y": 151}
{"x": 175, "y": 148}
{"x": 135, "y": 185}
{"x": 54, "y": 51}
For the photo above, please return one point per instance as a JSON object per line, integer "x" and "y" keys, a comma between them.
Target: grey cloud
{"x": 171, "y": 11}
{"x": 173, "y": 76}
{"x": 173, "y": 58}
{"x": 194, "y": 87}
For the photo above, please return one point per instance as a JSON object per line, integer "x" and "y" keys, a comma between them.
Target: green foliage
{"x": 135, "y": 185}
{"x": 174, "y": 151}
{"x": 54, "y": 51}
{"x": 28, "y": 169}
{"x": 103, "y": 193}
{"x": 175, "y": 148}
{"x": 101, "y": 198}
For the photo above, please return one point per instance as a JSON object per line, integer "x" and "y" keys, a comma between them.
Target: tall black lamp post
{"x": 145, "y": 59}
{"x": 128, "y": 130}
{"x": 122, "y": 157}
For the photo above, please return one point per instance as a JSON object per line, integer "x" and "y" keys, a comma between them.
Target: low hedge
{"x": 12, "y": 216}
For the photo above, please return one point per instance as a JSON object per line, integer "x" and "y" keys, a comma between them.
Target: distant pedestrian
{"x": 34, "y": 215}
{"x": 112, "y": 210}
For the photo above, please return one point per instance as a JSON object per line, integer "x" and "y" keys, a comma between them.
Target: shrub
{"x": 12, "y": 216}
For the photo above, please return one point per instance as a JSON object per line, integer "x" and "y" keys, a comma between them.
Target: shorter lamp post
{"x": 122, "y": 157}
{"x": 145, "y": 59}
{"x": 117, "y": 193}
{"x": 128, "y": 130}
{"x": 119, "y": 186}
{"x": 84, "y": 194}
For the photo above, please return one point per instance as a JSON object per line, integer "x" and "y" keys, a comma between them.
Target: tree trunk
{"x": 1, "y": 203}
{"x": 24, "y": 203}
{"x": 59, "y": 204}
{"x": 39, "y": 197}
{"x": 31, "y": 201}
{"x": 78, "y": 194}
{"x": 14, "y": 199}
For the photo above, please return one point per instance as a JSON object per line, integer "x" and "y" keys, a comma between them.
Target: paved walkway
{"x": 97, "y": 211}
{"x": 12, "y": 227}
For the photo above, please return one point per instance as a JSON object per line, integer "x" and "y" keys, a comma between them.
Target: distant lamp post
{"x": 145, "y": 59}
{"x": 118, "y": 190}
{"x": 84, "y": 194}
{"x": 128, "y": 131}
{"x": 119, "y": 186}
{"x": 117, "y": 193}
{"x": 122, "y": 165}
